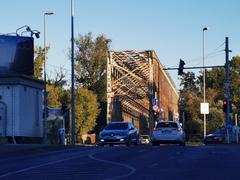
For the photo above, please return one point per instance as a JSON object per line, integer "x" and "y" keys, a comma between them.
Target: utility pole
{"x": 204, "y": 86}
{"x": 72, "y": 74}
{"x": 226, "y": 86}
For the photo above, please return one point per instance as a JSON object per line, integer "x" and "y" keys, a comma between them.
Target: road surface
{"x": 221, "y": 162}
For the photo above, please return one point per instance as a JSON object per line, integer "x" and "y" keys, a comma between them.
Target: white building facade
{"x": 20, "y": 107}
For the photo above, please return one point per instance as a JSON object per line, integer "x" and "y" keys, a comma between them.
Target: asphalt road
{"x": 219, "y": 162}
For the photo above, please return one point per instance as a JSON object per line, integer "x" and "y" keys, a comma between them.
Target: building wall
{"x": 165, "y": 90}
{"x": 8, "y": 96}
{"x": 30, "y": 121}
{"x": 23, "y": 110}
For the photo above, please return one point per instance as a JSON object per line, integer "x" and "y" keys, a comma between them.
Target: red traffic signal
{"x": 225, "y": 106}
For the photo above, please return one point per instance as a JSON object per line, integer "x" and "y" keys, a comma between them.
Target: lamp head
{"x": 49, "y": 13}
{"x": 206, "y": 28}
{"x": 37, "y": 34}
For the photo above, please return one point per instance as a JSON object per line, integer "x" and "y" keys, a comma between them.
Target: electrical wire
{"x": 206, "y": 57}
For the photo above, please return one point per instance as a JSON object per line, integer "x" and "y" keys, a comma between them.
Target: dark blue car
{"x": 217, "y": 137}
{"x": 119, "y": 133}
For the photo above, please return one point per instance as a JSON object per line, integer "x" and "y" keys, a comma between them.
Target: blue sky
{"x": 173, "y": 28}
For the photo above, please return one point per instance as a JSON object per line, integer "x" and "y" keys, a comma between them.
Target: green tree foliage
{"x": 235, "y": 80}
{"x": 39, "y": 61}
{"x": 91, "y": 70}
{"x": 91, "y": 63}
{"x": 55, "y": 85}
{"x": 55, "y": 94}
{"x": 191, "y": 93}
{"x": 189, "y": 82}
{"x": 87, "y": 110}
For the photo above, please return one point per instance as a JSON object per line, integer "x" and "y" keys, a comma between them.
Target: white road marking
{"x": 132, "y": 169}
{"x": 46, "y": 164}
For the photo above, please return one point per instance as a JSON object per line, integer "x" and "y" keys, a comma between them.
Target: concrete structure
{"x": 20, "y": 107}
{"x": 134, "y": 79}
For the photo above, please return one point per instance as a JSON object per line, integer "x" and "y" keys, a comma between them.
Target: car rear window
{"x": 167, "y": 125}
{"x": 117, "y": 126}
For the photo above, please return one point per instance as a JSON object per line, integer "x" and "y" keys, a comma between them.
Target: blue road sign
{"x": 155, "y": 101}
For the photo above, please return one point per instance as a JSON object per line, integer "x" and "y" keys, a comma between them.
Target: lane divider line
{"x": 46, "y": 164}
{"x": 132, "y": 169}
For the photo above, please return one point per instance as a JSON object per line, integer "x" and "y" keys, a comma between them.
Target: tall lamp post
{"x": 45, "y": 86}
{"x": 72, "y": 72}
{"x": 204, "y": 86}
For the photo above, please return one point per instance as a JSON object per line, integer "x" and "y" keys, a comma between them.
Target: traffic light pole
{"x": 227, "y": 93}
{"x": 195, "y": 67}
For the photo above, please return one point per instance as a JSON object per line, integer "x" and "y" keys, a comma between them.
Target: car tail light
{"x": 178, "y": 129}
{"x": 156, "y": 129}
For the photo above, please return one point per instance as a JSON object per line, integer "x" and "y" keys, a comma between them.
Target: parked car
{"x": 216, "y": 137}
{"x": 145, "y": 139}
{"x": 168, "y": 132}
{"x": 119, "y": 133}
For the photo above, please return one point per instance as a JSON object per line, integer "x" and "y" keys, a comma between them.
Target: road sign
{"x": 227, "y": 95}
{"x": 226, "y": 85}
{"x": 155, "y": 108}
{"x": 204, "y": 108}
{"x": 155, "y": 101}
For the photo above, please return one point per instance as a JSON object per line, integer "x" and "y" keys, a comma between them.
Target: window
{"x": 167, "y": 125}
{"x": 114, "y": 126}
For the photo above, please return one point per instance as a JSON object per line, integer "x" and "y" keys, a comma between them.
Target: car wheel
{"x": 137, "y": 142}
{"x": 128, "y": 142}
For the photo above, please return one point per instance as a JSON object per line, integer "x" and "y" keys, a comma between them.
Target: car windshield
{"x": 117, "y": 126}
{"x": 219, "y": 131}
{"x": 167, "y": 125}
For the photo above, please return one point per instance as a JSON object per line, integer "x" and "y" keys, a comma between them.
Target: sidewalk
{"x": 13, "y": 149}
{"x": 17, "y": 148}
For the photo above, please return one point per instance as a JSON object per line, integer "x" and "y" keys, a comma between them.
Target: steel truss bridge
{"x": 133, "y": 80}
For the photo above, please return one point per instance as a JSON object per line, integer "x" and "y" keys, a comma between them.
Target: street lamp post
{"x": 204, "y": 86}
{"x": 72, "y": 72}
{"x": 45, "y": 86}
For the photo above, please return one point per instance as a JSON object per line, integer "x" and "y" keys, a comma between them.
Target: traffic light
{"x": 181, "y": 67}
{"x": 225, "y": 106}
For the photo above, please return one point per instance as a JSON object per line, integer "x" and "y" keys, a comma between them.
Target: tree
{"x": 91, "y": 70}
{"x": 87, "y": 110}
{"x": 91, "y": 63}
{"x": 235, "y": 80}
{"x": 189, "y": 82}
{"x": 39, "y": 61}
{"x": 54, "y": 97}
{"x": 192, "y": 94}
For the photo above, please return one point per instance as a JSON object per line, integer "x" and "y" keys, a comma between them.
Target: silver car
{"x": 168, "y": 132}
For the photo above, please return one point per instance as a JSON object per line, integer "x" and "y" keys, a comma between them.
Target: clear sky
{"x": 173, "y": 28}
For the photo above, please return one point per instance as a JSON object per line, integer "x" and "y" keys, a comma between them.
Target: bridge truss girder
{"x": 129, "y": 79}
